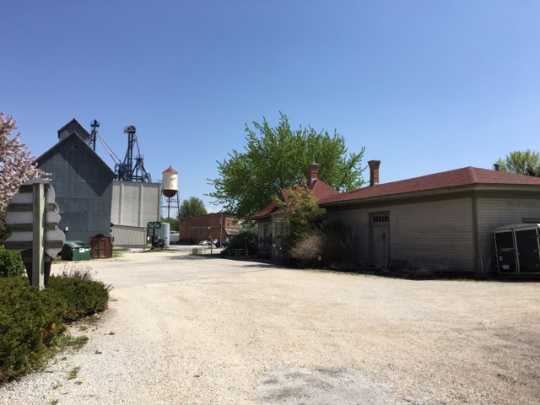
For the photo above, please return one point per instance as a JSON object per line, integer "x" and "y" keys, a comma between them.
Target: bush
{"x": 244, "y": 240}
{"x": 11, "y": 263}
{"x": 32, "y": 321}
{"x": 308, "y": 251}
{"x": 29, "y": 323}
{"x": 82, "y": 295}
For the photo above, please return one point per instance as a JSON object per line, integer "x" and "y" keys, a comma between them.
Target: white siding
{"x": 433, "y": 234}
{"x": 495, "y": 212}
{"x": 135, "y": 204}
{"x": 128, "y": 236}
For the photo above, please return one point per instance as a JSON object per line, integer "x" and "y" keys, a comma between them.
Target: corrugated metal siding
{"x": 495, "y": 212}
{"x": 432, "y": 234}
{"x": 135, "y": 204}
{"x": 129, "y": 236}
{"x": 83, "y": 190}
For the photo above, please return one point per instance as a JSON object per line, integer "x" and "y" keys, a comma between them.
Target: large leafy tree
{"x": 278, "y": 157}
{"x": 521, "y": 162}
{"x": 191, "y": 207}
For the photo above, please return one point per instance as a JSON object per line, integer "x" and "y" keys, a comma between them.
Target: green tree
{"x": 521, "y": 162}
{"x": 302, "y": 212}
{"x": 278, "y": 157}
{"x": 191, "y": 207}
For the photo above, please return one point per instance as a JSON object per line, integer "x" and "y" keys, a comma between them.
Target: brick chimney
{"x": 313, "y": 174}
{"x": 374, "y": 166}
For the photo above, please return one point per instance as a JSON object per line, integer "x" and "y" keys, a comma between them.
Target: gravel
{"x": 186, "y": 330}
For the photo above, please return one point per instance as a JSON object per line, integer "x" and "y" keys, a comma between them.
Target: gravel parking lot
{"x": 189, "y": 330}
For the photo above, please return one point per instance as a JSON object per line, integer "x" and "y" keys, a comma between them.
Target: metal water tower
{"x": 170, "y": 188}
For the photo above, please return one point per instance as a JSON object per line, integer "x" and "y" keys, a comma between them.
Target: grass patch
{"x": 71, "y": 342}
{"x": 73, "y": 373}
{"x": 118, "y": 252}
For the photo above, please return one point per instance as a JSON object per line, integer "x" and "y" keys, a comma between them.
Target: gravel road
{"x": 186, "y": 330}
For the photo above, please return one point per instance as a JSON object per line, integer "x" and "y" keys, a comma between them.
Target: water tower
{"x": 170, "y": 188}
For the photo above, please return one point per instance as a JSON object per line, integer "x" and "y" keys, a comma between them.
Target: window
{"x": 380, "y": 218}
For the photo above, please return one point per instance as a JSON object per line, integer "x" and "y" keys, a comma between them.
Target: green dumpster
{"x": 75, "y": 250}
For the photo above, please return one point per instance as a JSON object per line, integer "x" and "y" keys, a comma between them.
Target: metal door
{"x": 527, "y": 251}
{"x": 506, "y": 252}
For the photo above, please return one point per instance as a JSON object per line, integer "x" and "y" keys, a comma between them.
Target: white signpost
{"x": 32, "y": 219}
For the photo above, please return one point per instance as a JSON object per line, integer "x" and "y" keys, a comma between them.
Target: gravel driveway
{"x": 186, "y": 330}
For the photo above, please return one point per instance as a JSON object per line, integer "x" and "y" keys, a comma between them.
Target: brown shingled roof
{"x": 466, "y": 176}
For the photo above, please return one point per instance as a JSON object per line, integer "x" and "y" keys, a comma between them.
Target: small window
{"x": 380, "y": 219}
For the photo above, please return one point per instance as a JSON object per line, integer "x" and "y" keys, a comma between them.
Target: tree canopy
{"x": 16, "y": 166}
{"x": 16, "y": 163}
{"x": 302, "y": 211}
{"x": 278, "y": 157}
{"x": 191, "y": 207}
{"x": 521, "y": 162}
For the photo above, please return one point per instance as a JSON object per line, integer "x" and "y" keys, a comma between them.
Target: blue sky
{"x": 425, "y": 86}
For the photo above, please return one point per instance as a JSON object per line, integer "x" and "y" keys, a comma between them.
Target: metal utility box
{"x": 154, "y": 235}
{"x": 75, "y": 251}
{"x": 517, "y": 249}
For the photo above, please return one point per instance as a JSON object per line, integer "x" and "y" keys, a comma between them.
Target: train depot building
{"x": 442, "y": 222}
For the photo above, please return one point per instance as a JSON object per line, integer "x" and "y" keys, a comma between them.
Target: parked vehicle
{"x": 517, "y": 249}
{"x": 175, "y": 237}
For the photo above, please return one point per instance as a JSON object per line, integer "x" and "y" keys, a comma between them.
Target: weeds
{"x": 73, "y": 373}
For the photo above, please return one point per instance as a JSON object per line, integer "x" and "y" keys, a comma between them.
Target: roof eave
{"x": 434, "y": 193}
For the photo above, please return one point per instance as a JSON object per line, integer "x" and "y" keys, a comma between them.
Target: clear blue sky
{"x": 424, "y": 85}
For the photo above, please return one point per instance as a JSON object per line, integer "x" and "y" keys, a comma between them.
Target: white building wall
{"x": 128, "y": 236}
{"x": 133, "y": 206}
{"x": 433, "y": 234}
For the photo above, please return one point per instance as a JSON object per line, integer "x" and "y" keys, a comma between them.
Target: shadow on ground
{"x": 323, "y": 386}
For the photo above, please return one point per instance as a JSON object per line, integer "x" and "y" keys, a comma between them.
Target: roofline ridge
{"x": 408, "y": 179}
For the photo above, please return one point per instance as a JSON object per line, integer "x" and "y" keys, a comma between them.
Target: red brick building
{"x": 208, "y": 227}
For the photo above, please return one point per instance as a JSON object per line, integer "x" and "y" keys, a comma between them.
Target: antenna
{"x": 95, "y": 125}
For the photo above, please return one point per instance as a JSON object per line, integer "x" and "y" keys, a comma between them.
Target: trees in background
{"x": 276, "y": 158}
{"x": 191, "y": 207}
{"x": 521, "y": 162}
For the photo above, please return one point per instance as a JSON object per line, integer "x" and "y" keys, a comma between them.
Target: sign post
{"x": 38, "y": 256}
{"x": 32, "y": 219}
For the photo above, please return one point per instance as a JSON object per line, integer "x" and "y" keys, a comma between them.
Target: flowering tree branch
{"x": 16, "y": 162}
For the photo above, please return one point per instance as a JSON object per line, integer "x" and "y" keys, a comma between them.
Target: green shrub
{"x": 32, "y": 321}
{"x": 11, "y": 263}
{"x": 244, "y": 240}
{"x": 82, "y": 295}
{"x": 29, "y": 323}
